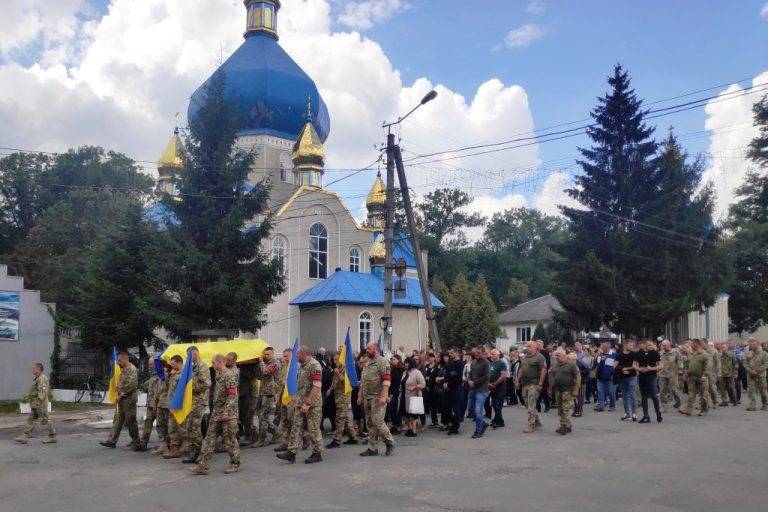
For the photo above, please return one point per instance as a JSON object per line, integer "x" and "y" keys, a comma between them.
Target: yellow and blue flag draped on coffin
{"x": 347, "y": 360}
{"x": 291, "y": 388}
{"x": 114, "y": 379}
{"x": 246, "y": 350}
{"x": 181, "y": 402}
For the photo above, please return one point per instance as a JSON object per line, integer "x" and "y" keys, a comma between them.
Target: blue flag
{"x": 347, "y": 360}
{"x": 378, "y": 343}
{"x": 159, "y": 368}
{"x": 292, "y": 377}
{"x": 181, "y": 403}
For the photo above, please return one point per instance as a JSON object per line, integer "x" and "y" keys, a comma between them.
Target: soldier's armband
{"x": 386, "y": 378}
{"x": 232, "y": 390}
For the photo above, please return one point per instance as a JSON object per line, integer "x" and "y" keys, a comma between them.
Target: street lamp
{"x": 426, "y": 99}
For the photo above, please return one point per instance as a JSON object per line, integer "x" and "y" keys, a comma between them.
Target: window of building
{"x": 365, "y": 329}
{"x": 285, "y": 167}
{"x": 354, "y": 259}
{"x": 523, "y": 334}
{"x": 280, "y": 253}
{"x": 318, "y": 252}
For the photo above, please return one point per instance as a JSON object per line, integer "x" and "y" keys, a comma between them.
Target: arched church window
{"x": 365, "y": 329}
{"x": 354, "y": 259}
{"x": 318, "y": 251}
{"x": 280, "y": 253}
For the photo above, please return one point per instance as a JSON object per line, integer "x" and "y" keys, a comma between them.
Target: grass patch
{"x": 12, "y": 406}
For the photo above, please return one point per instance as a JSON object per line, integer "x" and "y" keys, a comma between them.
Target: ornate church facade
{"x": 332, "y": 265}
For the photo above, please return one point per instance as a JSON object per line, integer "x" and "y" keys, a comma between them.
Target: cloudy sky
{"x": 119, "y": 73}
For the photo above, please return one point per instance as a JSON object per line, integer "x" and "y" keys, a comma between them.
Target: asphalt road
{"x": 715, "y": 463}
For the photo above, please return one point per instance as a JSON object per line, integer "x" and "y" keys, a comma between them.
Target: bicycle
{"x": 91, "y": 387}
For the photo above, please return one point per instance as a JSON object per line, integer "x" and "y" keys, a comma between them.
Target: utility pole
{"x": 394, "y": 158}
{"x": 389, "y": 235}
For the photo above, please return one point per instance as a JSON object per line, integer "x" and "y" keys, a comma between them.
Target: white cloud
{"x": 552, "y": 194}
{"x": 764, "y": 11}
{"x": 524, "y": 35}
{"x": 732, "y": 130}
{"x": 364, "y": 15}
{"x": 535, "y": 7}
{"x": 487, "y": 205}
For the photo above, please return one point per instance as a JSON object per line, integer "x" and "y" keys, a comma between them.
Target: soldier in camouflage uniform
{"x": 756, "y": 364}
{"x": 343, "y": 401}
{"x": 223, "y": 419}
{"x": 668, "y": 384}
{"x": 373, "y": 396}
{"x": 564, "y": 388}
{"x": 162, "y": 412}
{"x": 729, "y": 367}
{"x": 153, "y": 387}
{"x": 307, "y": 409}
{"x": 285, "y": 412}
{"x": 38, "y": 404}
{"x": 697, "y": 376}
{"x": 175, "y": 434}
{"x": 125, "y": 411}
{"x": 268, "y": 372}
{"x": 201, "y": 383}
{"x": 714, "y": 376}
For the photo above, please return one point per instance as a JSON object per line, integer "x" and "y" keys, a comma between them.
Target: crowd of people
{"x": 405, "y": 394}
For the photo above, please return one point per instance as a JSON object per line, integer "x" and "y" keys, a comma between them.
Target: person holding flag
{"x": 344, "y": 379}
{"x": 175, "y": 435}
{"x": 285, "y": 412}
{"x": 189, "y": 402}
{"x": 124, "y": 392}
{"x": 374, "y": 394}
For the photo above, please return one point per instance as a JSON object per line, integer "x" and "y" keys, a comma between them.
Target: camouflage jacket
{"x": 38, "y": 392}
{"x": 756, "y": 360}
{"x": 728, "y": 364}
{"x": 673, "y": 363}
{"x": 173, "y": 383}
{"x": 699, "y": 364}
{"x": 152, "y": 387}
{"x": 225, "y": 397}
{"x": 128, "y": 387}
{"x": 201, "y": 382}
{"x": 162, "y": 392}
{"x": 269, "y": 374}
{"x": 309, "y": 373}
{"x": 338, "y": 381}
{"x": 375, "y": 374}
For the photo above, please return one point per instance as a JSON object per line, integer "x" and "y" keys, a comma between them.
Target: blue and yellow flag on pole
{"x": 114, "y": 379}
{"x": 292, "y": 378}
{"x": 181, "y": 403}
{"x": 347, "y": 360}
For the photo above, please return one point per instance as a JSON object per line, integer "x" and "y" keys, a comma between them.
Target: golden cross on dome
{"x": 309, "y": 106}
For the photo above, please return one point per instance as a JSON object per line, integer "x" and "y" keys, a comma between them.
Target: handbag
{"x": 416, "y": 405}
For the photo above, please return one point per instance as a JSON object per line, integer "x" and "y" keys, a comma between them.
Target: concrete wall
{"x": 35, "y": 342}
{"x": 710, "y": 323}
{"x": 318, "y": 328}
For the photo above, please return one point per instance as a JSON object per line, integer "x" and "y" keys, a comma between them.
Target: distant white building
{"x": 710, "y": 323}
{"x": 519, "y": 323}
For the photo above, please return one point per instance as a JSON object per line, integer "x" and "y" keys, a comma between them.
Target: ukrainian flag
{"x": 347, "y": 360}
{"x": 114, "y": 379}
{"x": 292, "y": 378}
{"x": 181, "y": 403}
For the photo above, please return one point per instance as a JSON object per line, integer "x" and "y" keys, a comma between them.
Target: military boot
{"x": 259, "y": 444}
{"x": 562, "y": 431}
{"x": 281, "y": 448}
{"x": 141, "y": 447}
{"x": 108, "y": 444}
{"x": 351, "y": 441}
{"x": 50, "y": 440}
{"x": 288, "y": 456}
{"x": 22, "y": 439}
{"x": 231, "y": 469}
{"x": 333, "y": 444}
{"x": 685, "y": 412}
{"x": 370, "y": 453}
{"x": 530, "y": 429}
{"x": 390, "y": 449}
{"x": 192, "y": 459}
{"x": 315, "y": 457}
{"x": 160, "y": 450}
{"x": 173, "y": 453}
{"x": 199, "y": 471}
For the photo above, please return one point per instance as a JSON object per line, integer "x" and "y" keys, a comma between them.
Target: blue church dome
{"x": 271, "y": 89}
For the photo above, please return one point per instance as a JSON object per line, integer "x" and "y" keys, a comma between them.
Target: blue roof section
{"x": 271, "y": 90}
{"x": 158, "y": 213}
{"x": 344, "y": 287}
{"x": 401, "y": 248}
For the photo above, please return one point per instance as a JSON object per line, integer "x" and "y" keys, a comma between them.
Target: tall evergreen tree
{"x": 642, "y": 248}
{"x": 459, "y": 315}
{"x": 486, "y": 321}
{"x": 216, "y": 274}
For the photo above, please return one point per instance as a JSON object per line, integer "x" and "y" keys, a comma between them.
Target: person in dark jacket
{"x": 397, "y": 369}
{"x": 453, "y": 386}
{"x": 479, "y": 375}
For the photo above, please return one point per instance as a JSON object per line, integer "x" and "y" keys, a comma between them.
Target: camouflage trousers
{"x": 374, "y": 420}
{"x": 125, "y": 414}
{"x": 155, "y": 415}
{"x": 698, "y": 387}
{"x": 342, "y": 418}
{"x": 39, "y": 413}
{"x": 284, "y": 421}
{"x": 564, "y": 401}
{"x": 193, "y": 428}
{"x": 175, "y": 432}
{"x": 531, "y": 396}
{"x": 756, "y": 384}
{"x": 266, "y": 412}
{"x": 669, "y": 389}
{"x": 727, "y": 387}
{"x": 228, "y": 430}
{"x": 308, "y": 424}
{"x": 713, "y": 388}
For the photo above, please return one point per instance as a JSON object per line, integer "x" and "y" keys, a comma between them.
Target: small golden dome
{"x": 378, "y": 194}
{"x": 377, "y": 254}
{"x": 308, "y": 152}
{"x": 171, "y": 157}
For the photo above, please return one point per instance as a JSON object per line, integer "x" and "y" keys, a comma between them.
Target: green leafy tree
{"x": 640, "y": 250}
{"x": 459, "y": 315}
{"x": 540, "y": 333}
{"x": 517, "y": 293}
{"x": 215, "y": 273}
{"x": 20, "y": 196}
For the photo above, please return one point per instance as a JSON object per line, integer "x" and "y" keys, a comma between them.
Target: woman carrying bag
{"x": 411, "y": 400}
